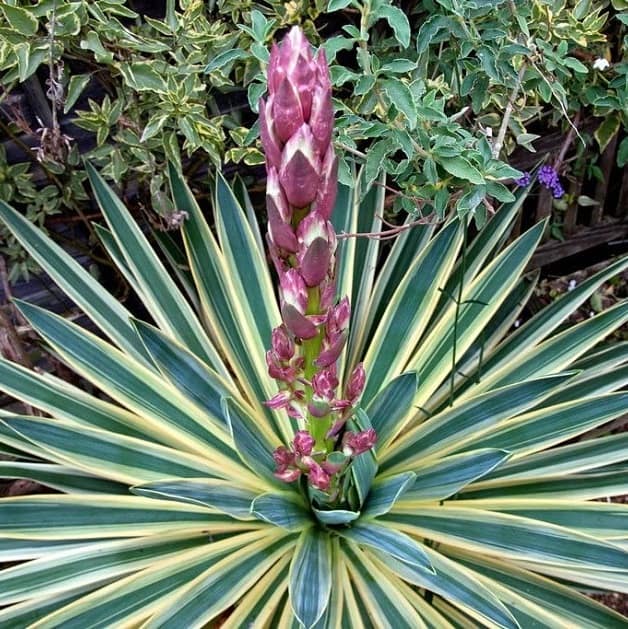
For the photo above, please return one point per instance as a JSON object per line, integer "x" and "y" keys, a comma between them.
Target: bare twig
{"x": 499, "y": 141}
{"x": 6, "y": 287}
{"x": 573, "y": 130}
{"x": 388, "y": 234}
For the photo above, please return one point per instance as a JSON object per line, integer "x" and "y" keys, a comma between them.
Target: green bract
{"x": 476, "y": 509}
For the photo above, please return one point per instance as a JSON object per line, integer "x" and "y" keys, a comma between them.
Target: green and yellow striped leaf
{"x": 385, "y": 492}
{"x": 97, "y": 516}
{"x": 216, "y": 494}
{"x": 505, "y": 535}
{"x": 284, "y": 509}
{"x": 123, "y": 459}
{"x": 134, "y": 598}
{"x": 389, "y": 541}
{"x": 163, "y": 410}
{"x": 80, "y": 285}
{"x": 449, "y": 475}
{"x": 310, "y": 576}
{"x": 159, "y": 292}
{"x": 409, "y": 310}
{"x": 60, "y": 477}
{"x": 223, "y": 584}
{"x": 443, "y": 432}
{"x": 385, "y": 605}
{"x": 566, "y": 603}
{"x": 603, "y": 520}
{"x": 92, "y": 563}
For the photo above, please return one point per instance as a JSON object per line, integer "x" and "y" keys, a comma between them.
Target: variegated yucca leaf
{"x": 476, "y": 510}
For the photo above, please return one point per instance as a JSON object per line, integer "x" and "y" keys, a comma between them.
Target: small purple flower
{"x": 524, "y": 180}
{"x": 557, "y": 190}
{"x": 548, "y": 176}
{"x": 550, "y": 179}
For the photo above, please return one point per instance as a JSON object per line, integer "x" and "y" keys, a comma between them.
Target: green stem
{"x": 317, "y": 426}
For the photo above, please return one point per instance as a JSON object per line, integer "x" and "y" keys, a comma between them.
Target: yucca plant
{"x": 187, "y": 495}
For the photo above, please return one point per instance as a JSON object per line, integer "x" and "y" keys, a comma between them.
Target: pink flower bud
{"x": 318, "y": 408}
{"x": 273, "y": 68}
{"x": 283, "y": 457}
{"x": 318, "y": 477}
{"x": 282, "y": 344}
{"x": 339, "y": 317}
{"x": 325, "y": 383}
{"x": 303, "y": 443}
{"x": 293, "y": 290}
{"x": 276, "y": 197}
{"x": 276, "y": 370}
{"x": 328, "y": 294}
{"x": 296, "y": 410}
{"x": 317, "y": 244}
{"x": 331, "y": 468}
{"x": 321, "y": 119}
{"x": 299, "y": 173}
{"x": 355, "y": 386}
{"x": 354, "y": 443}
{"x": 279, "y": 400}
{"x": 297, "y": 323}
{"x": 315, "y": 262}
{"x": 270, "y": 142}
{"x": 314, "y": 227}
{"x": 331, "y": 352}
{"x": 326, "y": 196}
{"x": 288, "y": 475}
{"x": 295, "y": 51}
{"x": 287, "y": 112}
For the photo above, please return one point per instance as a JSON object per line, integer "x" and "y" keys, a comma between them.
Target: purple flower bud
{"x": 288, "y": 475}
{"x": 283, "y": 457}
{"x": 293, "y": 290}
{"x": 331, "y": 350}
{"x": 339, "y": 317}
{"x": 273, "y": 68}
{"x": 282, "y": 344}
{"x": 355, "y": 443}
{"x": 325, "y": 383}
{"x": 276, "y": 198}
{"x": 317, "y": 243}
{"x": 297, "y": 323}
{"x": 318, "y": 477}
{"x": 286, "y": 109}
{"x": 279, "y": 400}
{"x": 299, "y": 174}
{"x": 318, "y": 408}
{"x": 355, "y": 386}
{"x": 303, "y": 443}
{"x": 524, "y": 180}
{"x": 326, "y": 196}
{"x": 547, "y": 175}
{"x": 322, "y": 117}
{"x": 270, "y": 142}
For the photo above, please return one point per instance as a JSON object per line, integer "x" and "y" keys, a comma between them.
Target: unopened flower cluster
{"x": 548, "y": 177}
{"x": 296, "y": 121}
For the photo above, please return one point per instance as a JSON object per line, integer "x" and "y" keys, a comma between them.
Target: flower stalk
{"x": 296, "y": 123}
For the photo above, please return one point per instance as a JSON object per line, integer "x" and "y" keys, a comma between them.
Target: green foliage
{"x": 424, "y": 92}
{"x": 477, "y": 508}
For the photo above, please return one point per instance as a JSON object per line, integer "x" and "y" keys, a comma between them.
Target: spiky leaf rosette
{"x": 477, "y": 509}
